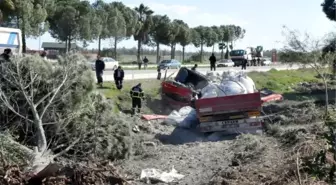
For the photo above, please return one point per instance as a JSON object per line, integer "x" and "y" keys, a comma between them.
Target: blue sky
{"x": 262, "y": 19}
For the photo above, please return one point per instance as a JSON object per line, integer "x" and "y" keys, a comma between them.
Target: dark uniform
{"x": 194, "y": 68}
{"x": 119, "y": 77}
{"x": 159, "y": 73}
{"x": 137, "y": 95}
{"x": 100, "y": 66}
{"x": 213, "y": 62}
{"x": 145, "y": 60}
{"x": 258, "y": 60}
{"x": 5, "y": 56}
{"x": 244, "y": 64}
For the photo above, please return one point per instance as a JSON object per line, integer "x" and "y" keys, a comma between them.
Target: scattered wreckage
{"x": 229, "y": 102}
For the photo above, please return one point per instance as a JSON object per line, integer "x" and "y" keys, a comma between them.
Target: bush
{"x": 76, "y": 120}
{"x": 197, "y": 57}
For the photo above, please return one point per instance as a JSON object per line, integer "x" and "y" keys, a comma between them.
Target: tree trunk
{"x": 69, "y": 44}
{"x": 172, "y": 51}
{"x": 227, "y": 53}
{"x": 183, "y": 50}
{"x": 23, "y": 30}
{"x": 99, "y": 45}
{"x": 326, "y": 96}
{"x": 115, "y": 47}
{"x": 139, "y": 50}
{"x": 213, "y": 48}
{"x": 66, "y": 45}
{"x": 201, "y": 57}
{"x": 222, "y": 54}
{"x": 157, "y": 52}
{"x": 42, "y": 140}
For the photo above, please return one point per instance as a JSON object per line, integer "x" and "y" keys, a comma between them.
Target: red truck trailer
{"x": 238, "y": 113}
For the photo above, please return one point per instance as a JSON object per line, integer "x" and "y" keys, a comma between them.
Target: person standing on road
{"x": 258, "y": 60}
{"x": 137, "y": 95}
{"x": 119, "y": 77}
{"x": 213, "y": 60}
{"x": 100, "y": 66}
{"x": 159, "y": 73}
{"x": 244, "y": 64}
{"x": 145, "y": 60}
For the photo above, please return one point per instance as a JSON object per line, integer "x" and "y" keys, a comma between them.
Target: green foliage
{"x": 329, "y": 8}
{"x": 160, "y": 29}
{"x": 196, "y": 57}
{"x": 130, "y": 16}
{"x": 72, "y": 20}
{"x": 145, "y": 21}
{"x": 26, "y": 15}
{"x": 77, "y": 112}
{"x": 323, "y": 166}
{"x": 116, "y": 23}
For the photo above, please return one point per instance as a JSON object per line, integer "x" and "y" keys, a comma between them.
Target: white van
{"x": 11, "y": 38}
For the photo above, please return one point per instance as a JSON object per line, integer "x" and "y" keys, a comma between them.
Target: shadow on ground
{"x": 318, "y": 96}
{"x": 104, "y": 87}
{"x": 181, "y": 136}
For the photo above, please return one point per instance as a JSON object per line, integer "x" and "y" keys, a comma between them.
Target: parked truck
{"x": 250, "y": 54}
{"x": 11, "y": 38}
{"x": 237, "y": 113}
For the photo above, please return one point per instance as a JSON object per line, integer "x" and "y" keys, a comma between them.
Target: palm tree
{"x": 145, "y": 22}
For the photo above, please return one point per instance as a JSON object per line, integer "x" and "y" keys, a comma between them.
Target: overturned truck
{"x": 224, "y": 106}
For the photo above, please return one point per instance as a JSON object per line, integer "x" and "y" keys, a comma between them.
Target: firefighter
{"x": 137, "y": 95}
{"x": 119, "y": 77}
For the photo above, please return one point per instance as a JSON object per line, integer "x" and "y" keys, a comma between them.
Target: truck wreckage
{"x": 228, "y": 102}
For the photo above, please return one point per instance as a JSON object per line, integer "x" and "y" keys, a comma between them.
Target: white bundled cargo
{"x": 231, "y": 83}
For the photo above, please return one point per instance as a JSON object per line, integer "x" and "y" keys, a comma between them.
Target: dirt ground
{"x": 236, "y": 160}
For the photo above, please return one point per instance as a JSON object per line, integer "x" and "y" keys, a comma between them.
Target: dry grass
{"x": 279, "y": 157}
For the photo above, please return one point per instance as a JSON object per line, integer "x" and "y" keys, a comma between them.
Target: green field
{"x": 284, "y": 82}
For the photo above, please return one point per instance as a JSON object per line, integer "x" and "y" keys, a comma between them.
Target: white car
{"x": 266, "y": 63}
{"x": 225, "y": 63}
{"x": 110, "y": 63}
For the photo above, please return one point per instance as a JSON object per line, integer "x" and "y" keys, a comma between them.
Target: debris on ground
{"x": 150, "y": 117}
{"x": 186, "y": 117}
{"x": 101, "y": 174}
{"x": 152, "y": 175}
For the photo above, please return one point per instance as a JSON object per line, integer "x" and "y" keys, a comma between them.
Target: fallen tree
{"x": 50, "y": 110}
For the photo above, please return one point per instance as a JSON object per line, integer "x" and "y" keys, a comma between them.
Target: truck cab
{"x": 238, "y": 56}
{"x": 182, "y": 89}
{"x": 11, "y": 38}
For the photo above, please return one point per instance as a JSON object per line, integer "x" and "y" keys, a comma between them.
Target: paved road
{"x": 152, "y": 74}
